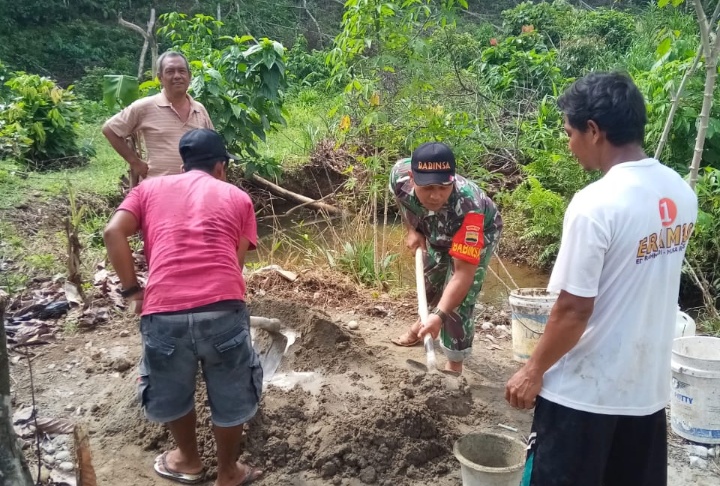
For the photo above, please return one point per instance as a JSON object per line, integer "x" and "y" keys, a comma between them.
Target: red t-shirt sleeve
{"x": 133, "y": 203}
{"x": 468, "y": 242}
{"x": 247, "y": 225}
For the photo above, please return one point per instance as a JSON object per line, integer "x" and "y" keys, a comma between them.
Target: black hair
{"x": 169, "y": 54}
{"x": 612, "y": 101}
{"x": 204, "y": 166}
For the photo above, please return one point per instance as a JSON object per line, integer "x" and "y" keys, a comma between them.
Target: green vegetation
{"x": 374, "y": 80}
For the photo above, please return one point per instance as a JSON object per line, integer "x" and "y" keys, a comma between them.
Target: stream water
{"x": 296, "y": 243}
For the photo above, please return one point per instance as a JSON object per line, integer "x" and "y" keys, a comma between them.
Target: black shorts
{"x": 568, "y": 447}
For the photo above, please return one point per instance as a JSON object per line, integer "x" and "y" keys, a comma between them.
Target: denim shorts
{"x": 219, "y": 341}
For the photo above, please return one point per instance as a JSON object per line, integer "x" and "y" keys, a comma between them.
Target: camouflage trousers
{"x": 457, "y": 333}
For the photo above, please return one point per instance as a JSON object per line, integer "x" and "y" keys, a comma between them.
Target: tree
{"x": 710, "y": 51}
{"x": 13, "y": 468}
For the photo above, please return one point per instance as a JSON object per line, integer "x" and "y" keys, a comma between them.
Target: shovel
{"x": 423, "y": 312}
{"x": 271, "y": 356}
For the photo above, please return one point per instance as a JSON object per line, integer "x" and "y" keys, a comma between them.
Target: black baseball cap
{"x": 203, "y": 147}
{"x": 432, "y": 163}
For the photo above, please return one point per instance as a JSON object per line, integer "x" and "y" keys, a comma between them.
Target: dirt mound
{"x": 379, "y": 439}
{"x": 360, "y": 419}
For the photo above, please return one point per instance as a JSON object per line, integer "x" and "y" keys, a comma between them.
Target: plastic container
{"x": 530, "y": 311}
{"x": 695, "y": 402}
{"x": 488, "y": 459}
{"x": 684, "y": 325}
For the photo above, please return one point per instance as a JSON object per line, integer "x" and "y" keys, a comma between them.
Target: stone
{"x": 124, "y": 334}
{"x": 486, "y": 326}
{"x": 121, "y": 364}
{"x": 62, "y": 456}
{"x": 66, "y": 467}
{"x": 48, "y": 459}
{"x": 353, "y": 325}
{"x": 368, "y": 475}
{"x": 698, "y": 463}
{"x": 48, "y": 448}
{"x": 328, "y": 469}
{"x": 697, "y": 451}
{"x": 69, "y": 408}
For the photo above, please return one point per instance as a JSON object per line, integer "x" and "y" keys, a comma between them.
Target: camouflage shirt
{"x": 439, "y": 227}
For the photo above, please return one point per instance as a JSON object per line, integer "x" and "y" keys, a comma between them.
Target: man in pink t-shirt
{"x": 197, "y": 229}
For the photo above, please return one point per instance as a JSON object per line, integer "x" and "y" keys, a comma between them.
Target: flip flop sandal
{"x": 162, "y": 469}
{"x": 406, "y": 344}
{"x": 251, "y": 475}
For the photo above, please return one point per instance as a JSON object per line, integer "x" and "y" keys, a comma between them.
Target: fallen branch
{"x": 292, "y": 196}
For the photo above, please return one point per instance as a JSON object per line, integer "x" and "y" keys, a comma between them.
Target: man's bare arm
{"x": 124, "y": 150}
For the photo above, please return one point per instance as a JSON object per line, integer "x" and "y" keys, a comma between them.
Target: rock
{"x": 353, "y": 325}
{"x": 121, "y": 364}
{"x": 69, "y": 349}
{"x": 698, "y": 463}
{"x": 62, "y": 456}
{"x": 342, "y": 346}
{"x": 368, "y": 475}
{"x": 66, "y": 467}
{"x": 124, "y": 334}
{"x": 48, "y": 459}
{"x": 51, "y": 366}
{"x": 486, "y": 326}
{"x": 336, "y": 481}
{"x": 94, "y": 408}
{"x": 697, "y": 451}
{"x": 69, "y": 408}
{"x": 48, "y": 448}
{"x": 328, "y": 469}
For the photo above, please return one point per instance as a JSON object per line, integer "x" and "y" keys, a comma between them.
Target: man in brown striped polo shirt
{"x": 161, "y": 119}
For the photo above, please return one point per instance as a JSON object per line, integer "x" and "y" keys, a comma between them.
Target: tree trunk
{"x": 148, "y": 40}
{"x": 711, "y": 48}
{"x": 676, "y": 103}
{"x": 710, "y": 78}
{"x": 13, "y": 468}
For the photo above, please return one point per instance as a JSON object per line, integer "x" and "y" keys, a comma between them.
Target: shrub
{"x": 615, "y": 27}
{"x": 553, "y": 20}
{"x": 38, "y": 123}
{"x": 519, "y": 64}
{"x": 305, "y": 67}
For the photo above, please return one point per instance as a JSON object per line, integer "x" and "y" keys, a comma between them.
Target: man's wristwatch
{"x": 131, "y": 291}
{"x": 442, "y": 315}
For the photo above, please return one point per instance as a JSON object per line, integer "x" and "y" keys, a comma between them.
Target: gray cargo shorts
{"x": 219, "y": 341}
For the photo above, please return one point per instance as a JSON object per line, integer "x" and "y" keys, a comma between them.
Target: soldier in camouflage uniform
{"x": 458, "y": 226}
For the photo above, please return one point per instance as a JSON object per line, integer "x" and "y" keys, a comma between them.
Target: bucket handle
{"x": 531, "y": 330}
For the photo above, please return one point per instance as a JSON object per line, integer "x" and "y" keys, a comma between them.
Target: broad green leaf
{"x": 664, "y": 47}
{"x": 676, "y": 3}
{"x": 119, "y": 90}
{"x": 663, "y": 3}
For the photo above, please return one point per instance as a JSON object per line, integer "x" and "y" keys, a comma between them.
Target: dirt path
{"x": 344, "y": 408}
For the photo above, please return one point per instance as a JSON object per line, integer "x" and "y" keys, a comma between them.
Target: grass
{"x": 307, "y": 123}
{"x": 100, "y": 176}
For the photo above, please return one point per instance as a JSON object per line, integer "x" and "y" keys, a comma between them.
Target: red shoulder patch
{"x": 468, "y": 242}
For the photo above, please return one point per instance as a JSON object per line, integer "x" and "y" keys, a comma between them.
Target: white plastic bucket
{"x": 695, "y": 402}
{"x": 488, "y": 459}
{"x": 684, "y": 325}
{"x": 530, "y": 311}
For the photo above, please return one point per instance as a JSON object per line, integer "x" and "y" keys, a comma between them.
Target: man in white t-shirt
{"x": 599, "y": 378}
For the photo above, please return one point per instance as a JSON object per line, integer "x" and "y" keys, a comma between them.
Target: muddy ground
{"x": 343, "y": 409}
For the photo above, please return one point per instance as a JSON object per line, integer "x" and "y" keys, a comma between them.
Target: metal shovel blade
{"x": 417, "y": 365}
{"x": 271, "y": 356}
